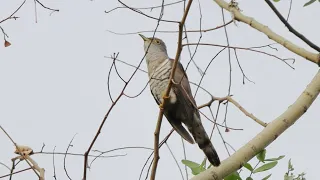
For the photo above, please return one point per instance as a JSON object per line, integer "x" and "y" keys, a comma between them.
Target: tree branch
{"x": 290, "y": 28}
{"x": 267, "y": 135}
{"x": 166, "y": 95}
{"x": 313, "y": 57}
{"x": 235, "y": 103}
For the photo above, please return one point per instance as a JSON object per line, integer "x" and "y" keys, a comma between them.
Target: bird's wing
{"x": 182, "y": 86}
{"x": 186, "y": 107}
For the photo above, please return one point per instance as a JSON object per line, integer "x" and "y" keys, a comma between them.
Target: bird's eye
{"x": 157, "y": 41}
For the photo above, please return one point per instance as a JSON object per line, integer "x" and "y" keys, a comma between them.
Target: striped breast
{"x": 159, "y": 79}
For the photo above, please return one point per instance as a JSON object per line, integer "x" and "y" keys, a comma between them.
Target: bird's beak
{"x": 143, "y": 37}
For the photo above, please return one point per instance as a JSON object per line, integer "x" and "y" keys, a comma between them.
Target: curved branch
{"x": 242, "y": 109}
{"x": 313, "y": 57}
{"x": 267, "y": 135}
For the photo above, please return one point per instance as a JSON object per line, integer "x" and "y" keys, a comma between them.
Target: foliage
{"x": 268, "y": 164}
{"x": 290, "y": 176}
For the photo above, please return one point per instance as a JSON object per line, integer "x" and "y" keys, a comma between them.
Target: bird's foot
{"x": 165, "y": 97}
{"x": 161, "y": 106}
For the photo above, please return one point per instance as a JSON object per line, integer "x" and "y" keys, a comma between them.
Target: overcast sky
{"x": 54, "y": 85}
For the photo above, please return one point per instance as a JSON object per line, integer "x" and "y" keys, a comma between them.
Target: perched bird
{"x": 181, "y": 106}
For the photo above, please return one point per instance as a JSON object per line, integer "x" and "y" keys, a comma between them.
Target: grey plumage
{"x": 181, "y": 106}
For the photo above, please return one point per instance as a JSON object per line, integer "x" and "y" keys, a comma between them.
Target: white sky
{"x": 54, "y": 85}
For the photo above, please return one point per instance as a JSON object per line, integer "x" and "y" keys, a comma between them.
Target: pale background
{"x": 54, "y": 84}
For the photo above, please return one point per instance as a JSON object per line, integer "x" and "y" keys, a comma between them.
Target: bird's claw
{"x": 166, "y": 97}
{"x": 161, "y": 106}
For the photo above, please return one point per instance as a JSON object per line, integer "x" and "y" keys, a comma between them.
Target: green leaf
{"x": 288, "y": 177}
{"x": 249, "y": 178}
{"x": 248, "y": 166}
{"x": 190, "y": 164}
{"x": 274, "y": 159}
{"x": 195, "y": 167}
{"x": 266, "y": 167}
{"x": 233, "y": 176}
{"x": 203, "y": 164}
{"x": 267, "y": 177}
{"x": 308, "y": 3}
{"x": 261, "y": 155}
{"x": 279, "y": 0}
{"x": 290, "y": 167}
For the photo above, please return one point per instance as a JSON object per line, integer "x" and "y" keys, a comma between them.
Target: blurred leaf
{"x": 267, "y": 177}
{"x": 290, "y": 167}
{"x": 233, "y": 176}
{"x": 249, "y": 178}
{"x": 266, "y": 167}
{"x": 308, "y": 3}
{"x": 195, "y": 167}
{"x": 279, "y": 0}
{"x": 274, "y": 159}
{"x": 262, "y": 155}
{"x": 287, "y": 177}
{"x": 203, "y": 164}
{"x": 248, "y": 166}
{"x": 6, "y": 43}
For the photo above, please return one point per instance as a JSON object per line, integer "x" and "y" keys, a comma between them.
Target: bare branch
{"x": 313, "y": 57}
{"x": 247, "y": 49}
{"x": 165, "y": 97}
{"x": 230, "y": 99}
{"x": 18, "y": 149}
{"x": 151, "y": 8}
{"x": 290, "y": 28}
{"x": 192, "y": 31}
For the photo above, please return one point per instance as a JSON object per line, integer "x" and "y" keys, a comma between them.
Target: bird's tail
{"x": 203, "y": 141}
{"x": 211, "y": 154}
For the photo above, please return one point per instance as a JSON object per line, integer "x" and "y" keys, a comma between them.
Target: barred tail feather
{"x": 211, "y": 154}
{"x": 203, "y": 141}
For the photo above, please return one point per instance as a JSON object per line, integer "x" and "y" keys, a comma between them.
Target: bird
{"x": 180, "y": 106}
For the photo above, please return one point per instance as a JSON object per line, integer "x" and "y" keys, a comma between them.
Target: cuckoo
{"x": 181, "y": 106}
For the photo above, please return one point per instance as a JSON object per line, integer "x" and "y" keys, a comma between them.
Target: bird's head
{"x": 156, "y": 45}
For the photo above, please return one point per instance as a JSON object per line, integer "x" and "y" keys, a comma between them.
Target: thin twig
{"x": 151, "y": 8}
{"x": 230, "y": 99}
{"x": 15, "y": 172}
{"x": 192, "y": 31}
{"x": 175, "y": 159}
{"x": 139, "y": 12}
{"x": 11, "y": 16}
{"x": 20, "y": 152}
{"x": 113, "y": 105}
{"x": 290, "y": 28}
{"x": 54, "y": 166}
{"x": 65, "y": 157}
{"x": 248, "y": 49}
{"x": 165, "y": 97}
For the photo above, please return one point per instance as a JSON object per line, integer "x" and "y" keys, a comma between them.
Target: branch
{"x": 165, "y": 97}
{"x": 243, "y": 48}
{"x": 19, "y": 150}
{"x": 15, "y": 172}
{"x": 250, "y": 115}
{"x": 11, "y": 16}
{"x": 267, "y": 135}
{"x": 313, "y": 57}
{"x": 290, "y": 28}
{"x": 167, "y": 31}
